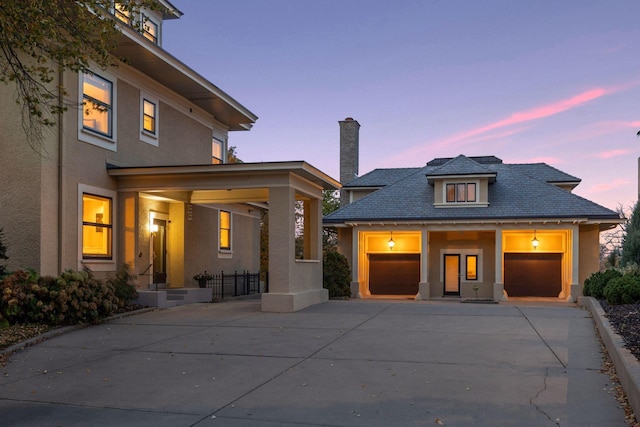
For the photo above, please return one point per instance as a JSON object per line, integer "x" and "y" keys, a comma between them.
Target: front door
{"x": 160, "y": 251}
{"x": 452, "y": 274}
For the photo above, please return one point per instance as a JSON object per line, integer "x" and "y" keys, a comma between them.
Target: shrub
{"x": 623, "y": 290}
{"x": 74, "y": 297}
{"x": 124, "y": 285}
{"x": 3, "y": 256}
{"x": 595, "y": 284}
{"x": 336, "y": 274}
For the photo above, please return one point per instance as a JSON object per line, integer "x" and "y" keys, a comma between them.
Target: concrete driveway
{"x": 343, "y": 363}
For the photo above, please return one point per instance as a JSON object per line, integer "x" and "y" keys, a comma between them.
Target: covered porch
{"x": 277, "y": 186}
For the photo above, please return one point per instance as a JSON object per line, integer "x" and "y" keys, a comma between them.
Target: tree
{"x": 330, "y": 203}
{"x": 232, "y": 155}
{"x": 611, "y": 241}
{"x": 41, "y": 38}
{"x": 631, "y": 241}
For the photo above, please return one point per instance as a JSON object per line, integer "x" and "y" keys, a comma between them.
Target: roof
{"x": 381, "y": 177}
{"x": 519, "y": 191}
{"x": 460, "y": 166}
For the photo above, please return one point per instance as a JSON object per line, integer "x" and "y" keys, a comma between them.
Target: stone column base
{"x": 499, "y": 294}
{"x": 355, "y": 290}
{"x": 576, "y": 291}
{"x": 290, "y": 302}
{"x": 423, "y": 291}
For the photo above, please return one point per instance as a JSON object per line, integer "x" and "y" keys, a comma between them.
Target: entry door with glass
{"x": 160, "y": 251}
{"x": 452, "y": 274}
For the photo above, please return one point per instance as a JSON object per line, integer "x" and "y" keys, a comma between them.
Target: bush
{"x": 3, "y": 256}
{"x": 594, "y": 285}
{"x": 124, "y": 285}
{"x": 336, "y": 274}
{"x": 623, "y": 290}
{"x": 76, "y": 297}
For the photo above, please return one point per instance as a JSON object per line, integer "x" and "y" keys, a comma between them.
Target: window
{"x": 121, "y": 13}
{"x": 216, "y": 151}
{"x": 149, "y": 116}
{"x": 461, "y": 192}
{"x": 150, "y": 29}
{"x": 472, "y": 267}
{"x": 225, "y": 230}
{"x": 97, "y": 227}
{"x": 97, "y": 100}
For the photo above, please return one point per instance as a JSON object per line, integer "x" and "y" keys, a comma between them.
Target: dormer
{"x": 148, "y": 22}
{"x": 461, "y": 181}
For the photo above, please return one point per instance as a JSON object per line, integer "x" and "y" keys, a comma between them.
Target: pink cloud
{"x": 533, "y": 114}
{"x": 611, "y": 153}
{"x": 547, "y": 160}
{"x": 599, "y": 188}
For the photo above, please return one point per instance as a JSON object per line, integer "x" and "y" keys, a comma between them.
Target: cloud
{"x": 532, "y": 114}
{"x": 599, "y": 188}
{"x": 609, "y": 154}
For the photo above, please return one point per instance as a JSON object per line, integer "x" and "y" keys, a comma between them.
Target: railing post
{"x": 235, "y": 283}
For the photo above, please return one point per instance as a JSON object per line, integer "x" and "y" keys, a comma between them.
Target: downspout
{"x": 60, "y": 172}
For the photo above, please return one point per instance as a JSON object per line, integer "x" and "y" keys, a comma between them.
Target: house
{"x": 467, "y": 227}
{"x": 142, "y": 179}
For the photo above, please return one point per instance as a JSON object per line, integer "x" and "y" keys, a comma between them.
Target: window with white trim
{"x": 471, "y": 267}
{"x": 97, "y": 101}
{"x": 225, "y": 230}
{"x": 97, "y": 227}
{"x": 150, "y": 29}
{"x": 217, "y": 151}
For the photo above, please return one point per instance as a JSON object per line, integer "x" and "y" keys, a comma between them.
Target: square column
{"x": 498, "y": 287}
{"x": 423, "y": 286}
{"x": 293, "y": 284}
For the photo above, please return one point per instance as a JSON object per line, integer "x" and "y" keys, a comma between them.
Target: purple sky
{"x": 527, "y": 81}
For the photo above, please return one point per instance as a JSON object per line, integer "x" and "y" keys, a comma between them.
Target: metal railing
{"x": 232, "y": 285}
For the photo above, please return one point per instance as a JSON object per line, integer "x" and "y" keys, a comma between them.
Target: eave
{"x": 163, "y": 67}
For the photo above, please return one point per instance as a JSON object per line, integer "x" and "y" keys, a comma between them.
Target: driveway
{"x": 343, "y": 363}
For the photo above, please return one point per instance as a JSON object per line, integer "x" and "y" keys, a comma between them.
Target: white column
{"x": 576, "y": 290}
{"x": 498, "y": 287}
{"x": 423, "y": 286}
{"x": 355, "y": 263}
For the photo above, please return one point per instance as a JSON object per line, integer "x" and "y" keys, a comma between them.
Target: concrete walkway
{"x": 343, "y": 363}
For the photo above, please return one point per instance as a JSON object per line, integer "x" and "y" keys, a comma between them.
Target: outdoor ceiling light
{"x": 535, "y": 242}
{"x": 391, "y": 242}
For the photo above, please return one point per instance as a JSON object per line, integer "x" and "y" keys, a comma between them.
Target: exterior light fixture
{"x": 391, "y": 242}
{"x": 154, "y": 228}
{"x": 535, "y": 242}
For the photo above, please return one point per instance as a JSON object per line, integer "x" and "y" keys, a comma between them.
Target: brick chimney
{"x": 349, "y": 142}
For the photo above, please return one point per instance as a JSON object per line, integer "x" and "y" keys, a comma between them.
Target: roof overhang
{"x": 163, "y": 67}
{"x": 223, "y": 183}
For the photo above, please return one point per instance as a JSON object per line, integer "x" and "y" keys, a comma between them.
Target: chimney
{"x": 349, "y": 141}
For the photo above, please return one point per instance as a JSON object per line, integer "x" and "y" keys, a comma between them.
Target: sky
{"x": 526, "y": 81}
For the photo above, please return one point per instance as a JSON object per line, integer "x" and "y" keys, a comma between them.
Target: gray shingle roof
{"x": 461, "y": 165}
{"x": 514, "y": 194}
{"x": 381, "y": 177}
{"x": 544, "y": 172}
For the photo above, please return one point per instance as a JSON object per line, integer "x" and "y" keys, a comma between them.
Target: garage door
{"x": 533, "y": 275}
{"x": 394, "y": 274}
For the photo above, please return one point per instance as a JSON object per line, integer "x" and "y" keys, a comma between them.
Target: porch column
{"x": 575, "y": 265}
{"x": 498, "y": 287}
{"x": 355, "y": 264}
{"x": 423, "y": 286}
{"x": 292, "y": 285}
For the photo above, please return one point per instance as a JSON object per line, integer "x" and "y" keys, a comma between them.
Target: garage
{"x": 533, "y": 275}
{"x": 394, "y": 274}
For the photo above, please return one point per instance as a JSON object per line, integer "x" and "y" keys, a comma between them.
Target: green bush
{"x": 594, "y": 285}
{"x": 623, "y": 290}
{"x": 76, "y": 297}
{"x": 336, "y": 274}
{"x": 124, "y": 286}
{"x": 3, "y": 256}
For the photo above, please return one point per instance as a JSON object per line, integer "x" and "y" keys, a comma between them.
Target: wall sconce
{"x": 535, "y": 242}
{"x": 391, "y": 242}
{"x": 154, "y": 229}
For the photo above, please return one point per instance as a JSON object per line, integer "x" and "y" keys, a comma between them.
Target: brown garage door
{"x": 533, "y": 275}
{"x": 394, "y": 274}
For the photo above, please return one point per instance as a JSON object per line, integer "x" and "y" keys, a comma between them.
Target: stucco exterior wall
{"x": 589, "y": 236}
{"x": 28, "y": 200}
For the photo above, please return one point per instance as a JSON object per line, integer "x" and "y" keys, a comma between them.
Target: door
{"x": 394, "y": 274}
{"x": 533, "y": 275}
{"x": 160, "y": 251}
{"x": 452, "y": 274}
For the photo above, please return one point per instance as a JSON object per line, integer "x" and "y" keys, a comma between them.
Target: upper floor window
{"x": 150, "y": 29}
{"x": 461, "y": 192}
{"x": 122, "y": 13}
{"x": 225, "y": 230}
{"x": 149, "y": 116}
{"x": 97, "y": 227}
{"x": 217, "y": 150}
{"x": 97, "y": 100}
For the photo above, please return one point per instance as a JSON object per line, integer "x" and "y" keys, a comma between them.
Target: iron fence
{"x": 236, "y": 284}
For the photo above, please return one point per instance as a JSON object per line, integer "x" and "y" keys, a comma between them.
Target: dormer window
{"x": 461, "y": 192}
{"x": 150, "y": 29}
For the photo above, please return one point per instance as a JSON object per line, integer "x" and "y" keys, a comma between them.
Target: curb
{"x": 627, "y": 366}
